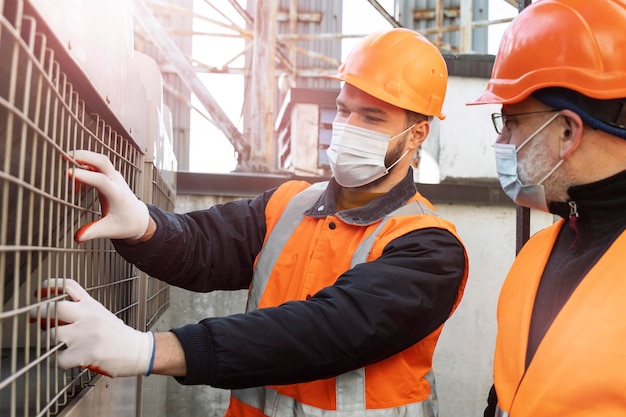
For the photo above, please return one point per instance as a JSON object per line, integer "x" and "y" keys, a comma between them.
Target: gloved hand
{"x": 124, "y": 216}
{"x": 95, "y": 337}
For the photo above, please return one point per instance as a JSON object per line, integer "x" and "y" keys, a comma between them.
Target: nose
{"x": 504, "y": 137}
{"x": 350, "y": 119}
{"x": 344, "y": 117}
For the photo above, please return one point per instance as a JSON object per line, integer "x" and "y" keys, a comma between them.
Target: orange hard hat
{"x": 400, "y": 67}
{"x": 574, "y": 44}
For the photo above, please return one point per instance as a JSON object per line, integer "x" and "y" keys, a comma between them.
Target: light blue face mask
{"x": 531, "y": 195}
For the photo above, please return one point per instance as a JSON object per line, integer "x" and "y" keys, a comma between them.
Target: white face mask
{"x": 531, "y": 195}
{"x": 357, "y": 155}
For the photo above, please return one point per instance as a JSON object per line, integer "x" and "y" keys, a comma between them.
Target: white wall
{"x": 467, "y": 135}
{"x": 462, "y": 143}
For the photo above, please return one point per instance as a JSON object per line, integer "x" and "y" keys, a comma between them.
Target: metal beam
{"x": 241, "y": 184}
{"x": 262, "y": 82}
{"x": 522, "y": 4}
{"x": 380, "y": 9}
{"x": 523, "y": 213}
{"x": 466, "y": 25}
{"x": 188, "y": 75}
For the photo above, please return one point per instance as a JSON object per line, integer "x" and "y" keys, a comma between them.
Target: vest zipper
{"x": 573, "y": 219}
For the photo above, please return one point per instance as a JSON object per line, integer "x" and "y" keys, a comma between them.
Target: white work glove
{"x": 124, "y": 216}
{"x": 95, "y": 337}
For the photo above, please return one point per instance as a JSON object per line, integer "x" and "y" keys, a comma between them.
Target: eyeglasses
{"x": 500, "y": 121}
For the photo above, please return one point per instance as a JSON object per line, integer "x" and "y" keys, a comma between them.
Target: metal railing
{"x": 43, "y": 117}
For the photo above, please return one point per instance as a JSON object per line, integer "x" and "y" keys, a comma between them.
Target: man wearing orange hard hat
{"x": 349, "y": 280}
{"x": 560, "y": 76}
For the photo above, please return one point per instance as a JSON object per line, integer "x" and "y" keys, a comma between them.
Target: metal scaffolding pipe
{"x": 188, "y": 75}
{"x": 262, "y": 82}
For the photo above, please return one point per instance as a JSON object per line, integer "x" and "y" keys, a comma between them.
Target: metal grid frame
{"x": 158, "y": 293}
{"x": 42, "y": 118}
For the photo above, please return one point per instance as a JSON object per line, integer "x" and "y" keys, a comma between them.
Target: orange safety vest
{"x": 397, "y": 386}
{"x": 579, "y": 368}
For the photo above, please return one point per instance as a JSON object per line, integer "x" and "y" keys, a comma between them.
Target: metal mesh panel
{"x": 42, "y": 118}
{"x": 158, "y": 293}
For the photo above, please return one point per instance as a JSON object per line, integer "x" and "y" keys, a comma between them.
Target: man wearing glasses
{"x": 560, "y": 76}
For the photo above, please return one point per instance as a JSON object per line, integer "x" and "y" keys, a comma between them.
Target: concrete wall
{"x": 189, "y": 307}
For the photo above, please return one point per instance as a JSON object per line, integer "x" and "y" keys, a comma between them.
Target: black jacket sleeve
{"x": 373, "y": 311}
{"x": 492, "y": 402}
{"x": 186, "y": 248}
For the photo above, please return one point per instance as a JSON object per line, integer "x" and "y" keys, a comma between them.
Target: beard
{"x": 536, "y": 164}
{"x": 396, "y": 153}
{"x": 392, "y": 156}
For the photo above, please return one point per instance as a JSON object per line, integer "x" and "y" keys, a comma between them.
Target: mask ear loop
{"x": 387, "y": 169}
{"x": 551, "y": 172}
{"x": 403, "y": 132}
{"x": 535, "y": 134}
{"x": 539, "y": 129}
{"x": 395, "y": 163}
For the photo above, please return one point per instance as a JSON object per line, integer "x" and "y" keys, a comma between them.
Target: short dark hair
{"x": 414, "y": 117}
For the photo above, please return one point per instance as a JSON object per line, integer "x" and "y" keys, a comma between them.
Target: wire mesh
{"x": 158, "y": 293}
{"x": 43, "y": 118}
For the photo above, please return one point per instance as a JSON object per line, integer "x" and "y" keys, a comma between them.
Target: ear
{"x": 418, "y": 134}
{"x": 571, "y": 132}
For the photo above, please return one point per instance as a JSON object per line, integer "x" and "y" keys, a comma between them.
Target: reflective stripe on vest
{"x": 411, "y": 209}
{"x": 271, "y": 403}
{"x": 291, "y": 218}
{"x": 500, "y": 412}
{"x": 350, "y": 386}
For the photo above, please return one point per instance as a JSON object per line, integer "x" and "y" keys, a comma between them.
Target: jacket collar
{"x": 603, "y": 200}
{"x": 370, "y": 213}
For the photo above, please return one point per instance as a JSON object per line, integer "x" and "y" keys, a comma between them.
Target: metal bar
{"x": 466, "y": 26}
{"x": 522, "y": 227}
{"x": 262, "y": 156}
{"x": 188, "y": 75}
{"x": 439, "y": 10}
{"x": 522, "y": 220}
{"x": 248, "y": 185}
{"x": 522, "y": 4}
{"x": 380, "y": 9}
